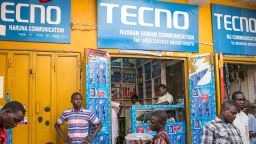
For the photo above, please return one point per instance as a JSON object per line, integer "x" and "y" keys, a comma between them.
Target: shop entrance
{"x": 237, "y": 74}
{"x": 130, "y": 76}
{"x": 43, "y": 82}
{"x": 141, "y": 77}
{"x": 240, "y": 77}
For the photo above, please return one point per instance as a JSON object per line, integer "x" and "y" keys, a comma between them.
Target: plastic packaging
{"x": 135, "y": 138}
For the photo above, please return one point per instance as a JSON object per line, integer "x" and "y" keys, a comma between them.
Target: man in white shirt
{"x": 241, "y": 121}
{"x": 165, "y": 97}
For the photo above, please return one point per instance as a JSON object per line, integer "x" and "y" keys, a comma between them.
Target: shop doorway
{"x": 235, "y": 73}
{"x": 141, "y": 77}
{"x": 240, "y": 77}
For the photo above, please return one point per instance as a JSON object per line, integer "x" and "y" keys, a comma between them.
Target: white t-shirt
{"x": 166, "y": 97}
{"x": 242, "y": 123}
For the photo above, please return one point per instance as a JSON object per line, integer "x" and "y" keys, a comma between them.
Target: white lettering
{"x": 218, "y": 19}
{"x": 125, "y": 14}
{"x": 32, "y": 13}
{"x": 234, "y": 23}
{"x": 4, "y": 11}
{"x": 246, "y": 23}
{"x": 176, "y": 14}
{"x": 46, "y": 15}
{"x": 133, "y": 15}
{"x": 109, "y": 11}
{"x": 141, "y": 16}
{"x": 252, "y": 25}
{"x": 226, "y": 22}
{"x": 168, "y": 17}
{"x": 18, "y": 12}
{"x": 58, "y": 15}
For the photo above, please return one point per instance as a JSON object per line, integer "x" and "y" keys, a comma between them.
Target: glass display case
{"x": 175, "y": 125}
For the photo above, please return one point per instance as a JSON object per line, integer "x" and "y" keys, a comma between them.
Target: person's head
{"x": 158, "y": 120}
{"x": 76, "y": 100}
{"x": 239, "y": 98}
{"x": 228, "y": 112}
{"x": 162, "y": 89}
{"x": 134, "y": 99}
{"x": 13, "y": 113}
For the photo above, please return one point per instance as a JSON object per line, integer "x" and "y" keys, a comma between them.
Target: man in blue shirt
{"x": 252, "y": 122}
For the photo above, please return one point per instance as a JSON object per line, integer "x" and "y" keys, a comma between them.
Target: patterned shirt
{"x": 161, "y": 138}
{"x": 78, "y": 123}
{"x": 220, "y": 132}
{"x": 3, "y": 136}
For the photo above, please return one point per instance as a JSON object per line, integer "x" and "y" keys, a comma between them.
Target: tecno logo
{"x": 12, "y": 13}
{"x": 137, "y": 13}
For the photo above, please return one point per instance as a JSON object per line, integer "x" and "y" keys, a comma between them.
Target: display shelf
{"x": 116, "y": 67}
{"x": 128, "y": 83}
{"x": 124, "y": 74}
{"x": 148, "y": 79}
{"x": 132, "y": 68}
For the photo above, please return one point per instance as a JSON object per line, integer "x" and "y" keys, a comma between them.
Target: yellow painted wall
{"x": 85, "y": 12}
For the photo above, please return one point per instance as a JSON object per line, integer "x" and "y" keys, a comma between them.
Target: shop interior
{"x": 130, "y": 76}
{"x": 241, "y": 77}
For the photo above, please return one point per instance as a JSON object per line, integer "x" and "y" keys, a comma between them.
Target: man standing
{"x": 78, "y": 121}
{"x": 252, "y": 122}
{"x": 221, "y": 130}
{"x": 241, "y": 121}
{"x": 10, "y": 115}
{"x": 165, "y": 98}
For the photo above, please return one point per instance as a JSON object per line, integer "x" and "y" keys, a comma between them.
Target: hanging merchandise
{"x": 98, "y": 92}
{"x": 227, "y": 81}
{"x": 202, "y": 94}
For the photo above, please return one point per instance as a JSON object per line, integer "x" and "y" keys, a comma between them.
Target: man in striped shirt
{"x": 78, "y": 120}
{"x": 221, "y": 130}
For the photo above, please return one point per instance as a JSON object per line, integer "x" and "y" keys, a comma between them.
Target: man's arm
{"x": 164, "y": 103}
{"x": 61, "y": 134}
{"x": 88, "y": 139}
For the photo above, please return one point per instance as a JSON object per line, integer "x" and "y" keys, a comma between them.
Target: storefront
{"x": 236, "y": 47}
{"x": 135, "y": 70}
{"x": 42, "y": 64}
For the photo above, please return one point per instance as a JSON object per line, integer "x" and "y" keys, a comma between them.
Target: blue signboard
{"x": 234, "y": 30}
{"x": 147, "y": 25}
{"x": 35, "y": 20}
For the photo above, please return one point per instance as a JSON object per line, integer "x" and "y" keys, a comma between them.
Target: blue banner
{"x": 98, "y": 92}
{"x": 234, "y": 30}
{"x": 35, "y": 20}
{"x": 202, "y": 94}
{"x": 147, "y": 25}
